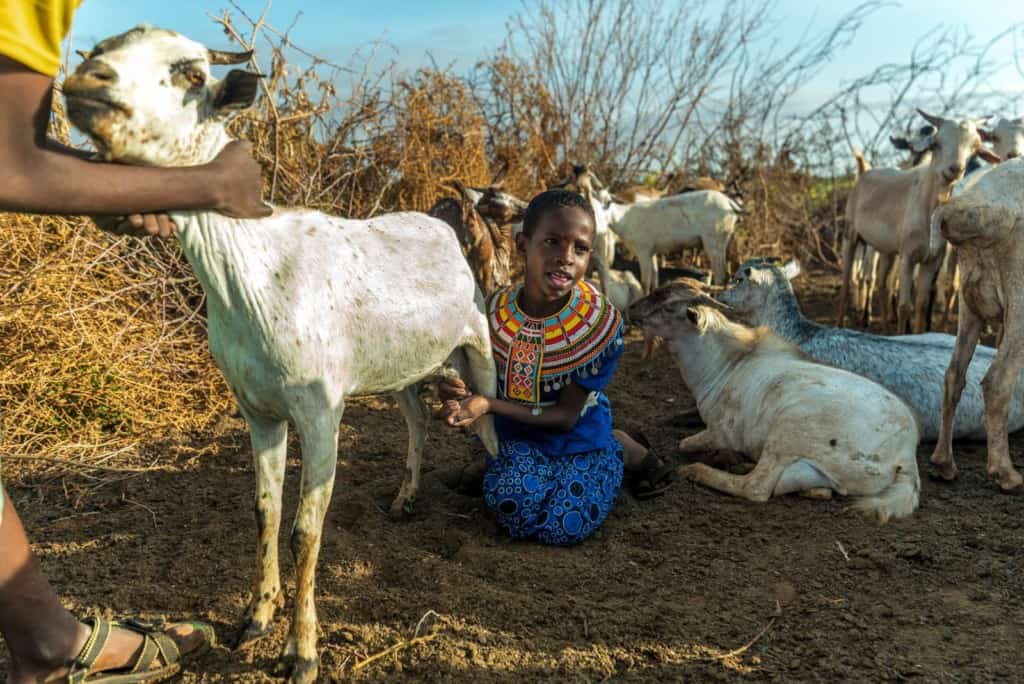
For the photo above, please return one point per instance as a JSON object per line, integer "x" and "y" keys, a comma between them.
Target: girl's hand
{"x": 452, "y": 388}
{"x": 465, "y": 413}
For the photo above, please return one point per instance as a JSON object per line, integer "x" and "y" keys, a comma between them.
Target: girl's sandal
{"x": 155, "y": 645}
{"x": 652, "y": 477}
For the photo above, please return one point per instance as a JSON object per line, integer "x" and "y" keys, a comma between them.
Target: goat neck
{"x": 781, "y": 312}
{"x": 229, "y": 259}
{"x": 706, "y": 361}
{"x": 211, "y": 137}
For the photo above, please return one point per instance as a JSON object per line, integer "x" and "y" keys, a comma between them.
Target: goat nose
{"x": 97, "y": 71}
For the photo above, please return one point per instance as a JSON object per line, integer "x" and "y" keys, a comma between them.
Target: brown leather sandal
{"x": 652, "y": 477}
{"x": 157, "y": 649}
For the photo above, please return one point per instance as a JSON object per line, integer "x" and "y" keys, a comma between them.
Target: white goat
{"x": 305, "y": 310}
{"x": 810, "y": 427}
{"x": 1008, "y": 143}
{"x": 622, "y": 289}
{"x": 891, "y": 209}
{"x": 691, "y": 219}
{"x": 986, "y": 226}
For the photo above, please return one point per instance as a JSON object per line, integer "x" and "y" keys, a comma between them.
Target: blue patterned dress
{"x": 557, "y": 487}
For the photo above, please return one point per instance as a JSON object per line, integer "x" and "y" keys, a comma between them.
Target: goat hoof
{"x": 1009, "y": 483}
{"x": 817, "y": 494}
{"x": 253, "y": 630}
{"x": 297, "y": 670}
{"x": 402, "y": 508}
{"x": 304, "y": 671}
{"x": 943, "y": 471}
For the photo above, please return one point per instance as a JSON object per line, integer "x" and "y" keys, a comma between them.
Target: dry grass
{"x": 102, "y": 340}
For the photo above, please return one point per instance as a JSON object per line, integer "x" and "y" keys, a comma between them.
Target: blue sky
{"x": 462, "y": 31}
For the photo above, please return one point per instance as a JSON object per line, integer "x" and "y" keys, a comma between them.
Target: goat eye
{"x": 196, "y": 77}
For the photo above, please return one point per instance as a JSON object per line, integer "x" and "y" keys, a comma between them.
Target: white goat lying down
{"x": 808, "y": 426}
{"x": 305, "y": 309}
{"x": 910, "y": 366}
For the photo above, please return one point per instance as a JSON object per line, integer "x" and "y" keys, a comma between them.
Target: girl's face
{"x": 557, "y": 253}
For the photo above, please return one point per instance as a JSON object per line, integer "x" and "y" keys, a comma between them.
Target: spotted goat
{"x": 305, "y": 309}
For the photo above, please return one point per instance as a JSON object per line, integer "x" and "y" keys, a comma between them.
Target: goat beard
{"x": 99, "y": 123}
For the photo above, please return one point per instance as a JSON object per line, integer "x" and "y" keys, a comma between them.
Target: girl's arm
{"x": 560, "y": 418}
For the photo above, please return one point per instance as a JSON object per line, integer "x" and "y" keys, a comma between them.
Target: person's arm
{"x": 41, "y": 177}
{"x": 561, "y": 417}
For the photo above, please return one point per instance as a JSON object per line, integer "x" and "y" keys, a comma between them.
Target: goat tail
{"x": 862, "y": 163}
{"x": 898, "y": 500}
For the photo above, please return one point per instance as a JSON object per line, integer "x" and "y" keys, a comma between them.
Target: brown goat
{"x": 487, "y": 248}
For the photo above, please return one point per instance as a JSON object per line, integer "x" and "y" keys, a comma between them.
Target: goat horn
{"x": 931, "y": 118}
{"x": 222, "y": 57}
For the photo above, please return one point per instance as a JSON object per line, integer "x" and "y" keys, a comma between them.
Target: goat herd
{"x": 297, "y": 303}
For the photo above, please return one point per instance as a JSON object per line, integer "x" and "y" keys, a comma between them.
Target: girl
{"x": 557, "y": 342}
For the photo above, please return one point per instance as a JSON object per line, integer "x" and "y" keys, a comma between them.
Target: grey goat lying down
{"x": 910, "y": 366}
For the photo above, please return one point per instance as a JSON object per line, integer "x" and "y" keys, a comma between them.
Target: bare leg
{"x": 319, "y": 463}
{"x": 701, "y": 442}
{"x": 269, "y": 444}
{"x": 633, "y": 452}
{"x": 757, "y": 485}
{"x": 484, "y": 380}
{"x": 416, "y": 418}
{"x": 849, "y": 247}
{"x": 905, "y": 306}
{"x": 648, "y": 265}
{"x": 997, "y": 387}
{"x": 863, "y": 280}
{"x": 924, "y": 294}
{"x": 968, "y": 330}
{"x": 950, "y": 287}
{"x": 41, "y": 636}
{"x": 650, "y": 345}
{"x": 881, "y": 287}
{"x": 716, "y": 250}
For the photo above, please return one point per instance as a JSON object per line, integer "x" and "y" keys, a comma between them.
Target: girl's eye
{"x": 582, "y": 250}
{"x": 550, "y": 241}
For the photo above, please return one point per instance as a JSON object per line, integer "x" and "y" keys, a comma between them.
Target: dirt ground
{"x": 672, "y": 589}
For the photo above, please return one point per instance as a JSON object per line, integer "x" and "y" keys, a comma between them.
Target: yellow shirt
{"x": 31, "y": 31}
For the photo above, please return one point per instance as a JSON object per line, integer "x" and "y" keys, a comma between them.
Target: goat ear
{"x": 237, "y": 91}
{"x": 222, "y": 57}
{"x": 521, "y": 241}
{"x": 693, "y": 315}
{"x": 985, "y": 134}
{"x": 791, "y": 269}
{"x": 499, "y": 177}
{"x": 988, "y": 155}
{"x": 472, "y": 194}
{"x": 931, "y": 118}
{"x": 899, "y": 143}
{"x": 82, "y": 53}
